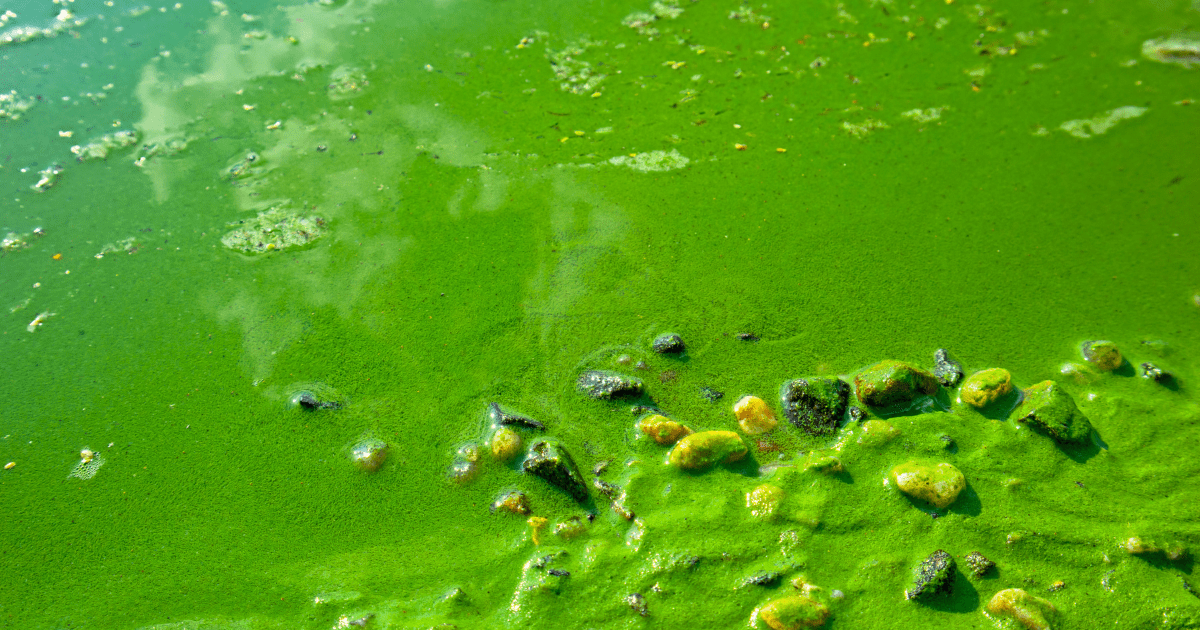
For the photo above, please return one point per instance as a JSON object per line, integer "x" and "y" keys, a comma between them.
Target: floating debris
{"x": 346, "y": 82}
{"x": 127, "y": 245}
{"x": 65, "y": 20}
{"x": 13, "y": 106}
{"x": 651, "y": 161}
{"x": 50, "y": 176}
{"x": 978, "y": 564}
{"x": 89, "y": 464}
{"x": 1181, "y": 48}
{"x": 39, "y": 320}
{"x": 864, "y": 128}
{"x": 948, "y": 371}
{"x": 934, "y": 576}
{"x": 369, "y": 454}
{"x": 1101, "y": 123}
{"x": 99, "y": 148}
{"x": 274, "y": 229}
{"x": 923, "y": 116}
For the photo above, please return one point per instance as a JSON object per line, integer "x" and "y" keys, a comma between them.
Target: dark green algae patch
{"x": 469, "y": 255}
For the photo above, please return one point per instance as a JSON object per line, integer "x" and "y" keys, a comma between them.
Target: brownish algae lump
{"x": 938, "y": 485}
{"x": 663, "y": 430}
{"x": 754, "y": 416}
{"x": 1030, "y": 611}
{"x": 892, "y": 383}
{"x": 1050, "y": 409}
{"x": 1103, "y": 354}
{"x": 986, "y": 387}
{"x": 794, "y": 612}
{"x": 706, "y": 449}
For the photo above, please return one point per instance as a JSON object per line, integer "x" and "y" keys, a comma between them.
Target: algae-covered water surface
{"x": 482, "y": 313}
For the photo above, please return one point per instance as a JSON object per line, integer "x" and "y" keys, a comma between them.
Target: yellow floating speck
{"x": 866, "y": 43}
{"x": 739, "y": 146}
{"x": 871, "y": 35}
{"x": 9, "y": 465}
{"x": 1012, "y": 51}
{"x": 781, "y": 150}
{"x": 536, "y": 523}
{"x": 595, "y": 95}
{"x": 912, "y": 35}
{"x": 564, "y": 139}
{"x": 248, "y": 107}
{"x": 579, "y": 133}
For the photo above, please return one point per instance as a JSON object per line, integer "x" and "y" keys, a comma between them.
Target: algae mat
{"x": 247, "y": 245}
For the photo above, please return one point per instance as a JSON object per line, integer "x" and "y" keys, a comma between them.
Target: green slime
{"x": 851, "y": 182}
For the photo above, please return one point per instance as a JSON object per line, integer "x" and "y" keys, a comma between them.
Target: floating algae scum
{"x": 266, "y": 269}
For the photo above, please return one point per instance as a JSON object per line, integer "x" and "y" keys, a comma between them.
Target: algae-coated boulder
{"x": 794, "y": 612}
{"x": 933, "y": 577}
{"x": 764, "y": 500}
{"x": 986, "y": 387}
{"x": 551, "y": 462}
{"x": 892, "y": 383}
{"x": 1050, "y": 409}
{"x": 662, "y": 430}
{"x": 815, "y": 405}
{"x": 669, "y": 343}
{"x": 1103, "y": 354}
{"x": 877, "y": 432}
{"x": 1030, "y": 611}
{"x": 707, "y": 448}
{"x": 938, "y": 485}
{"x": 607, "y": 385}
{"x": 947, "y": 371}
{"x": 978, "y": 564}
{"x": 754, "y": 416}
{"x": 369, "y": 454}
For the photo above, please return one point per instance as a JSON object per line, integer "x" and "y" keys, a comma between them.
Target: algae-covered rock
{"x": 933, "y": 577}
{"x": 466, "y": 464}
{"x": 827, "y": 464}
{"x": 1139, "y": 546}
{"x": 550, "y": 461}
{"x": 764, "y": 500}
{"x": 1030, "y": 611}
{"x": 514, "y": 502}
{"x": 892, "y": 383}
{"x": 877, "y": 432}
{"x": 607, "y": 385}
{"x": 754, "y": 416}
{"x": 569, "y": 528}
{"x": 1050, "y": 409}
{"x": 815, "y": 405}
{"x": 986, "y": 387}
{"x": 978, "y": 564}
{"x": 707, "y": 448}
{"x": 662, "y": 430}
{"x": 369, "y": 454}
{"x": 669, "y": 343}
{"x": 947, "y": 371}
{"x": 1157, "y": 374}
{"x": 497, "y": 417}
{"x": 506, "y": 444}
{"x": 1103, "y": 354}
{"x": 793, "y": 612}
{"x": 938, "y": 485}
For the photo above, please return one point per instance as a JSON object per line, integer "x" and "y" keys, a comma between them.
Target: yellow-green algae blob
{"x": 706, "y": 449}
{"x": 938, "y": 484}
{"x": 1028, "y": 610}
{"x": 794, "y": 612}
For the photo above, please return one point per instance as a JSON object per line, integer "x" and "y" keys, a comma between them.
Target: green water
{"x": 481, "y": 244}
